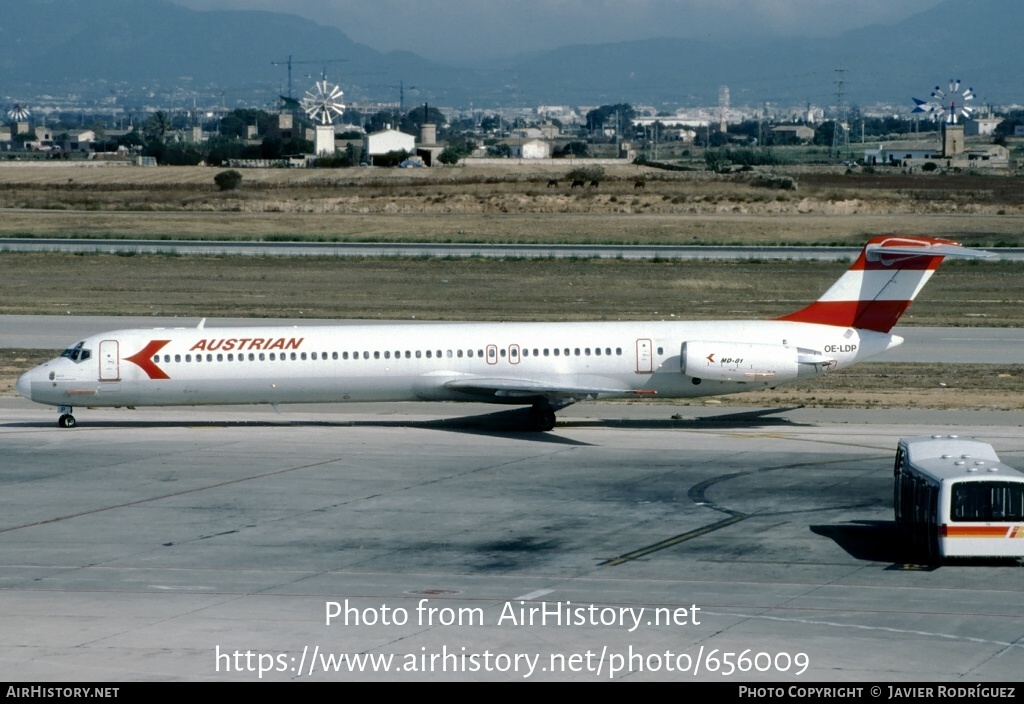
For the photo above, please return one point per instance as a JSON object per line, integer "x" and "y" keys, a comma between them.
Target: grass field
{"x": 960, "y": 294}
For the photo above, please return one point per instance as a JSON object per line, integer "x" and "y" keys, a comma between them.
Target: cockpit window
{"x": 77, "y": 353}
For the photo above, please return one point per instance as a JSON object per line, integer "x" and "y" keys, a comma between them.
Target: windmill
{"x": 18, "y": 113}
{"x": 948, "y": 108}
{"x": 944, "y": 107}
{"x": 323, "y": 105}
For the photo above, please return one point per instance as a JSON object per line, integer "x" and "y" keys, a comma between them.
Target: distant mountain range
{"x": 153, "y": 52}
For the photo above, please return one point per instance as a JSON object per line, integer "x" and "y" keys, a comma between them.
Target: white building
{"x": 80, "y": 140}
{"x": 528, "y": 148}
{"x": 917, "y": 154}
{"x": 903, "y": 153}
{"x": 378, "y": 144}
{"x": 982, "y": 126}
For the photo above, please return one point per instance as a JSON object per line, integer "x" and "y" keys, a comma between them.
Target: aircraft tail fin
{"x": 882, "y": 283}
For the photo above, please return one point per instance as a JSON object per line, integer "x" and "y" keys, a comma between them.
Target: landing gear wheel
{"x": 542, "y": 418}
{"x": 66, "y": 421}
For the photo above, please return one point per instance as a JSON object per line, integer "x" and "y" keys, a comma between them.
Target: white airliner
{"x": 544, "y": 365}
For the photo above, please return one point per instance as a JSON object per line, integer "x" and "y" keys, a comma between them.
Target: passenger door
{"x": 109, "y": 362}
{"x": 644, "y": 357}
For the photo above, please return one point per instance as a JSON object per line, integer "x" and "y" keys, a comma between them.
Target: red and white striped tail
{"x": 882, "y": 283}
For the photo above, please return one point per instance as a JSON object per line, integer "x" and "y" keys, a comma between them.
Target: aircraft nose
{"x": 24, "y": 385}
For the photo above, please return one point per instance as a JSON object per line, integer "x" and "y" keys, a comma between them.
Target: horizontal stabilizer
{"x": 879, "y": 251}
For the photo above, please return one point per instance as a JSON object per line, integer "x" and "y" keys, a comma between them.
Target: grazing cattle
{"x": 578, "y": 183}
{"x": 552, "y": 183}
{"x": 639, "y": 183}
{"x": 595, "y": 183}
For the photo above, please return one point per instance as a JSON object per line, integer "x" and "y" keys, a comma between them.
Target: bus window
{"x": 987, "y": 501}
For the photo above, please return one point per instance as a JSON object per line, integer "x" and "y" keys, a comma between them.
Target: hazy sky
{"x": 453, "y": 30}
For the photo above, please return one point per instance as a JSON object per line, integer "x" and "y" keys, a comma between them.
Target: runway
{"x": 415, "y": 249}
{"x": 635, "y": 542}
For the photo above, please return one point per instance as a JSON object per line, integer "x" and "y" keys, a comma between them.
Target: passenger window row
{"x": 512, "y": 352}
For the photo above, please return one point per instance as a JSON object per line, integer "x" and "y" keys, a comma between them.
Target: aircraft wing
{"x": 527, "y": 389}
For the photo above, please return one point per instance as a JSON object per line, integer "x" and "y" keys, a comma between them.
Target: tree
{"x": 157, "y": 126}
{"x": 131, "y": 140}
{"x": 458, "y": 148}
{"x": 586, "y": 173}
{"x": 449, "y": 156}
{"x": 491, "y": 123}
{"x": 233, "y": 126}
{"x": 176, "y": 154}
{"x": 618, "y": 116}
{"x": 380, "y": 120}
{"x": 414, "y": 119}
{"x": 220, "y": 149}
{"x": 340, "y": 159}
{"x": 1007, "y": 127}
{"x": 573, "y": 149}
{"x": 823, "y": 135}
{"x": 499, "y": 151}
{"x": 392, "y": 159}
{"x": 228, "y": 180}
{"x": 718, "y": 139}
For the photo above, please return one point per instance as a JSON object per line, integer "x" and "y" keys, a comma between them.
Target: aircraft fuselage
{"x": 561, "y": 362}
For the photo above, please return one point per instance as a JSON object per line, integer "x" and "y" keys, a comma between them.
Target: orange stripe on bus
{"x": 975, "y": 531}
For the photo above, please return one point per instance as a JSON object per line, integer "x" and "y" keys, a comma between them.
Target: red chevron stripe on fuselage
{"x": 144, "y": 359}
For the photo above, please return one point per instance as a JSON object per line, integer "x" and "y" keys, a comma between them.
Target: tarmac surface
{"x": 430, "y": 249}
{"x": 658, "y": 542}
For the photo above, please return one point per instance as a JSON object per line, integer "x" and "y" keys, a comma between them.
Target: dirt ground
{"x": 515, "y": 204}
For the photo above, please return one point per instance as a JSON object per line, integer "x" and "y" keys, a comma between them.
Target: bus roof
{"x": 951, "y": 457}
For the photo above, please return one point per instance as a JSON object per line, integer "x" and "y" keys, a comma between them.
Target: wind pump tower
{"x": 323, "y": 104}
{"x": 949, "y": 108}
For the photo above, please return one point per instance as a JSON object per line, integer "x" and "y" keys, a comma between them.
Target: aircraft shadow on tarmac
{"x": 760, "y": 418}
{"x": 504, "y": 423}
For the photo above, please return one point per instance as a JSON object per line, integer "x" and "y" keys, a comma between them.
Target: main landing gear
{"x": 542, "y": 417}
{"x": 66, "y": 420}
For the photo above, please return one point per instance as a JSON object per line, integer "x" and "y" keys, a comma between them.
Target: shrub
{"x": 784, "y": 183}
{"x": 586, "y": 173}
{"x": 449, "y": 156}
{"x": 228, "y": 180}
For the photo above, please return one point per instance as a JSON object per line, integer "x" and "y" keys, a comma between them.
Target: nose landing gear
{"x": 66, "y": 420}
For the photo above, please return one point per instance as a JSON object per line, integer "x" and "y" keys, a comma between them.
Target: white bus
{"x": 954, "y": 498}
